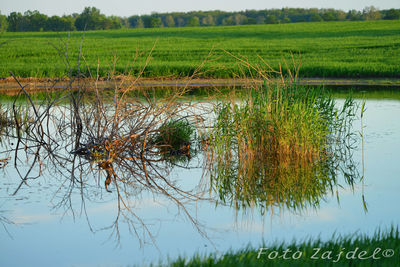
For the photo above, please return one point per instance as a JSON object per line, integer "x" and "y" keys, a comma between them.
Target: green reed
{"x": 174, "y": 134}
{"x": 282, "y": 146}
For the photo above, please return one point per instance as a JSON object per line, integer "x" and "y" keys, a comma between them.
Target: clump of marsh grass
{"x": 281, "y": 145}
{"x": 175, "y": 136}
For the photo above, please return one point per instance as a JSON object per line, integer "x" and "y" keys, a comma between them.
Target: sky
{"x": 127, "y": 8}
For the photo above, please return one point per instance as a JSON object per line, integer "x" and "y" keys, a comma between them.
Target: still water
{"x": 40, "y": 226}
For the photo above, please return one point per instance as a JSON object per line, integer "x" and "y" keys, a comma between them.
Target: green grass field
{"x": 328, "y": 49}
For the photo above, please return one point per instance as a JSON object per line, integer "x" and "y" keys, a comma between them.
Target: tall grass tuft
{"x": 281, "y": 146}
{"x": 174, "y": 134}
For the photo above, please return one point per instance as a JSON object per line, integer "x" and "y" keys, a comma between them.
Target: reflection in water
{"x": 281, "y": 184}
{"x": 131, "y": 146}
{"x": 127, "y": 146}
{"x": 284, "y": 152}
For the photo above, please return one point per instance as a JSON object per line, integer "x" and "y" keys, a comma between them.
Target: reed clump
{"x": 175, "y": 136}
{"x": 281, "y": 146}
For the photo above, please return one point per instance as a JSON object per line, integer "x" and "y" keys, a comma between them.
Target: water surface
{"x": 47, "y": 231}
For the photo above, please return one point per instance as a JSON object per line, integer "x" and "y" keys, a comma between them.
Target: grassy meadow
{"x": 327, "y": 49}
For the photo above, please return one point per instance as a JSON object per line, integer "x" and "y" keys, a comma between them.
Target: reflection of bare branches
{"x": 83, "y": 139}
{"x": 4, "y": 222}
{"x": 4, "y": 162}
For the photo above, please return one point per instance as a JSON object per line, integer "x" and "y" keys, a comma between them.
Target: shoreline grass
{"x": 380, "y": 249}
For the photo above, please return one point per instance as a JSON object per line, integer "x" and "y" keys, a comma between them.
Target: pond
{"x": 49, "y": 222}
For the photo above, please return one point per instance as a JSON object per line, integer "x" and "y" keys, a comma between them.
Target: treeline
{"x": 34, "y": 21}
{"x": 92, "y": 19}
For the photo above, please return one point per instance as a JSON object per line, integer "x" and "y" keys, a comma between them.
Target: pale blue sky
{"x": 135, "y": 7}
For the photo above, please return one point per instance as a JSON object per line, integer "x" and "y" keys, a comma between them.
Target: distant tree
{"x": 152, "y": 22}
{"x": 228, "y": 21}
{"x": 3, "y": 23}
{"x": 58, "y": 24}
{"x": 69, "y": 23}
{"x": 134, "y": 22}
{"x": 250, "y": 21}
{"x": 193, "y": 22}
{"x": 354, "y": 15}
{"x": 169, "y": 21}
{"x": 90, "y": 19}
{"x": 112, "y": 22}
{"x": 329, "y": 16}
{"x": 271, "y": 19}
{"x": 371, "y": 13}
{"x": 124, "y": 22}
{"x": 286, "y": 20}
{"x": 208, "y": 21}
{"x": 260, "y": 19}
{"x": 239, "y": 19}
{"x": 140, "y": 23}
{"x": 34, "y": 21}
{"x": 180, "y": 22}
{"x": 316, "y": 17}
{"x": 340, "y": 15}
{"x": 392, "y": 14}
{"x": 156, "y": 22}
{"x": 15, "y": 22}
{"x": 251, "y": 16}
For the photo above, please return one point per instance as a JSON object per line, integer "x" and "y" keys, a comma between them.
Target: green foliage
{"x": 15, "y": 22}
{"x": 59, "y": 24}
{"x": 280, "y": 148}
{"x": 354, "y": 15}
{"x": 174, "y": 134}
{"x": 94, "y": 20}
{"x": 392, "y": 14}
{"x": 152, "y": 22}
{"x": 3, "y": 23}
{"x": 271, "y": 20}
{"x": 34, "y": 21}
{"x": 316, "y": 18}
{"x": 193, "y": 22}
{"x": 169, "y": 21}
{"x": 371, "y": 13}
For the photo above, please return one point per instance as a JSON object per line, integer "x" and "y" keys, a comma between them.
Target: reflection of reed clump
{"x": 281, "y": 147}
{"x": 294, "y": 185}
{"x": 10, "y": 117}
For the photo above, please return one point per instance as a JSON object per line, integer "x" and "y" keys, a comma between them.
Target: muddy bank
{"x": 10, "y": 86}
